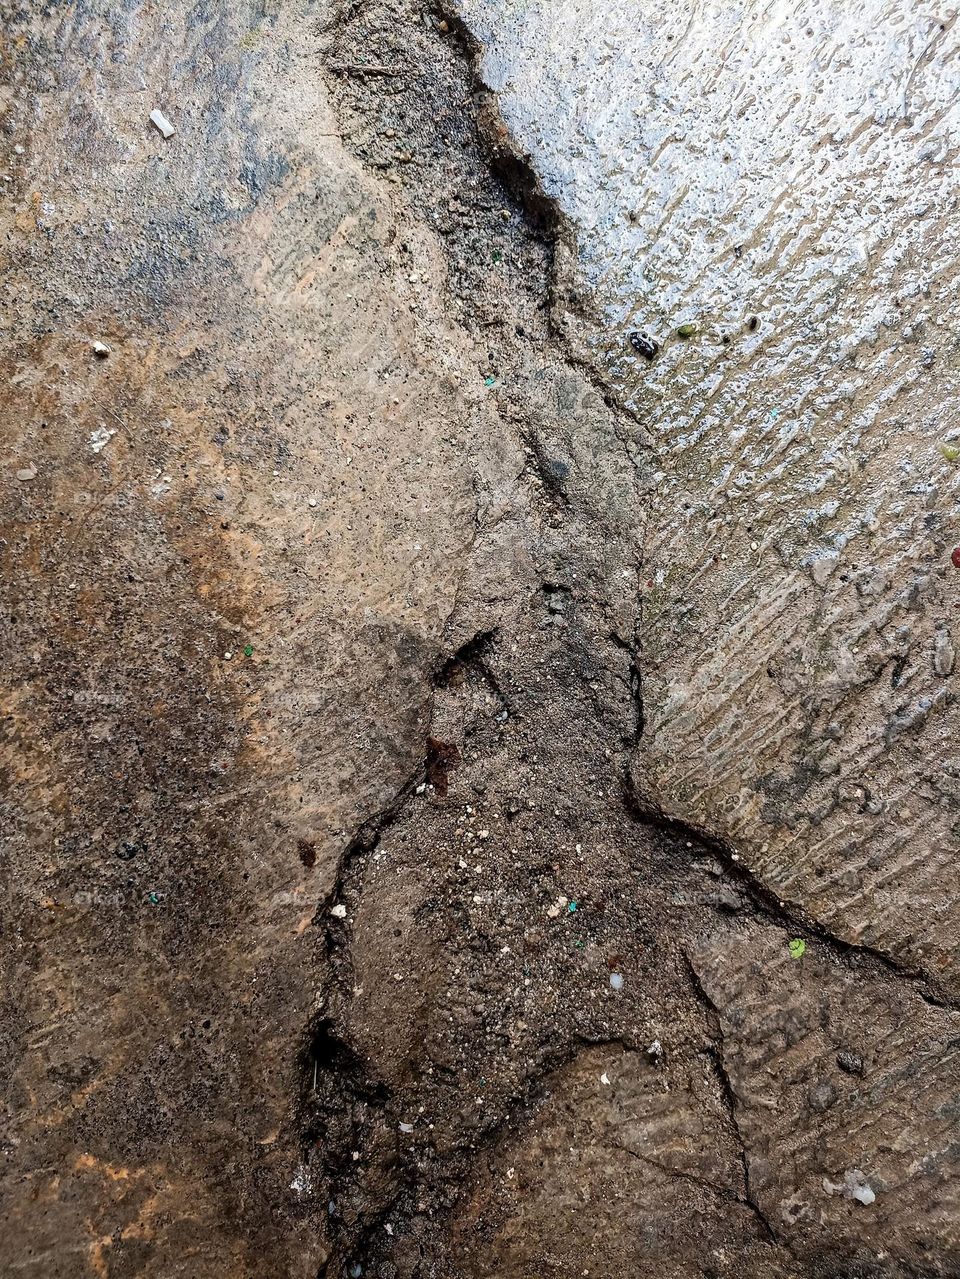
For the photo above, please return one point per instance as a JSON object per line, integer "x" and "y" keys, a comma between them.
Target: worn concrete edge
{"x": 516, "y": 171}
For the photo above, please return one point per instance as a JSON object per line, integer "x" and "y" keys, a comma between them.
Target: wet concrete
{"x": 769, "y": 193}
{"x": 340, "y": 937}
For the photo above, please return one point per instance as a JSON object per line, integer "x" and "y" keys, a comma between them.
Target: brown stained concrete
{"x": 271, "y": 455}
{"x": 316, "y": 957}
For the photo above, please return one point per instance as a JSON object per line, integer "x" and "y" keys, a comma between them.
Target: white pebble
{"x": 160, "y": 122}
{"x": 339, "y": 912}
{"x": 616, "y": 981}
{"x": 100, "y": 438}
{"x": 854, "y": 1186}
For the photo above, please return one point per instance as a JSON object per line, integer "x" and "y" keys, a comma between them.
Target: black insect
{"x": 644, "y": 345}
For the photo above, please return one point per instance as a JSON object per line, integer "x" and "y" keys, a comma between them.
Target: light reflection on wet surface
{"x": 777, "y": 182}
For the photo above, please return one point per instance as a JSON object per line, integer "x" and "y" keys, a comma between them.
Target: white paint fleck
{"x": 100, "y": 438}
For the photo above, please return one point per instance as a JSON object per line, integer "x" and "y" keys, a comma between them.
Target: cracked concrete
{"x": 344, "y": 955}
{"x": 768, "y": 191}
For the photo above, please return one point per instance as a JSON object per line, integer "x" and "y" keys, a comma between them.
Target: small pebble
{"x": 101, "y": 350}
{"x": 850, "y": 1063}
{"x": 644, "y": 345}
{"x": 822, "y": 567}
{"x": 616, "y": 981}
{"x": 822, "y": 1096}
{"x": 340, "y": 912}
{"x": 854, "y": 1186}
{"x": 944, "y": 655}
{"x": 27, "y": 472}
{"x": 161, "y": 123}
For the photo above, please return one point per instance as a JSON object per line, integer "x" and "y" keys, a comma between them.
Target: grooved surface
{"x": 782, "y": 179}
{"x": 330, "y": 900}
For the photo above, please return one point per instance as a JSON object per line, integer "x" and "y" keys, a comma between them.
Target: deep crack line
{"x": 716, "y": 1053}
{"x": 788, "y": 916}
{"x": 518, "y": 174}
{"x": 762, "y": 900}
{"x": 679, "y": 1174}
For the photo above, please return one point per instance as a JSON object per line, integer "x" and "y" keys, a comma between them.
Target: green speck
{"x": 579, "y": 945}
{"x": 572, "y": 908}
{"x": 951, "y": 452}
{"x": 489, "y": 381}
{"x": 686, "y": 330}
{"x": 797, "y": 947}
{"x": 497, "y": 255}
{"x": 153, "y": 899}
{"x": 248, "y": 650}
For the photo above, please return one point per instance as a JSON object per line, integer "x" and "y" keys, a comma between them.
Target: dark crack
{"x": 678, "y": 1174}
{"x": 716, "y": 1055}
{"x": 788, "y": 916}
{"x": 430, "y": 1184}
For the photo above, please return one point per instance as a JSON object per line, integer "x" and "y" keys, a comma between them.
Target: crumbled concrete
{"x": 323, "y": 691}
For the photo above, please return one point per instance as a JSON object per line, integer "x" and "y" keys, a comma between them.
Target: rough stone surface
{"x": 272, "y": 455}
{"x": 322, "y": 712}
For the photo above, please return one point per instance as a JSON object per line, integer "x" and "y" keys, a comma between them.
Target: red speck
{"x": 956, "y": 557}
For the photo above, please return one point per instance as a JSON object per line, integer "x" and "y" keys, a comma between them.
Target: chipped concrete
{"x": 327, "y": 833}
{"x": 778, "y": 177}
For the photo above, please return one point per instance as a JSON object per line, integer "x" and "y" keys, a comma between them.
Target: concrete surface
{"x": 340, "y": 936}
{"x": 768, "y": 190}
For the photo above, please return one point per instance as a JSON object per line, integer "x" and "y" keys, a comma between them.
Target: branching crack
{"x": 680, "y": 1174}
{"x": 789, "y": 916}
{"x": 473, "y": 654}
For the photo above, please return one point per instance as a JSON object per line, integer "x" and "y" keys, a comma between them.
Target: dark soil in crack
{"x": 511, "y": 922}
